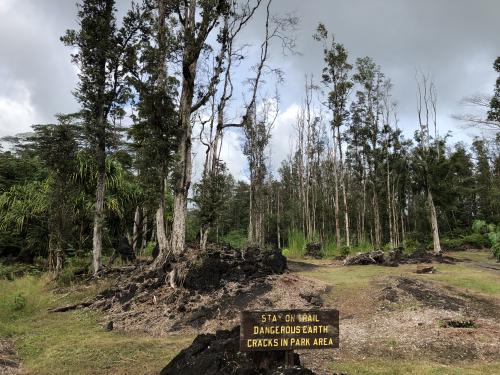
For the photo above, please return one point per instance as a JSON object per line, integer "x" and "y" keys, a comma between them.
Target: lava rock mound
{"x": 313, "y": 249}
{"x": 206, "y": 271}
{"x": 218, "y": 354}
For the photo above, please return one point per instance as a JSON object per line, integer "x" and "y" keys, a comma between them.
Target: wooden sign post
{"x": 287, "y": 330}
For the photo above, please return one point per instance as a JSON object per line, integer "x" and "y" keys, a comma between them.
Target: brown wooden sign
{"x": 289, "y": 330}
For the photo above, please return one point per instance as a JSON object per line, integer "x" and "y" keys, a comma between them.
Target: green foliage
{"x": 236, "y": 238}
{"x": 329, "y": 247}
{"x": 74, "y": 267}
{"x": 363, "y": 246}
{"x": 476, "y": 240}
{"x": 296, "y": 243}
{"x": 211, "y": 195}
{"x": 345, "y": 251}
{"x": 473, "y": 240}
{"x": 19, "y": 302}
{"x": 479, "y": 226}
{"x": 487, "y": 235}
{"x": 494, "y": 112}
{"x": 452, "y": 243}
{"x": 494, "y": 238}
{"x": 11, "y": 306}
{"x": 148, "y": 250}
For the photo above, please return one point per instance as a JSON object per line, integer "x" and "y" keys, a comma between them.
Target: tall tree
{"x": 155, "y": 130}
{"x": 100, "y": 51}
{"x": 427, "y": 117}
{"x": 494, "y": 112}
{"x": 194, "y": 34}
{"x": 336, "y": 77}
{"x": 57, "y": 147}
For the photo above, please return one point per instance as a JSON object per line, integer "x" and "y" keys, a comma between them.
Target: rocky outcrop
{"x": 218, "y": 354}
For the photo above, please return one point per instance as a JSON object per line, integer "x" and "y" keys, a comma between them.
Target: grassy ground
{"x": 74, "y": 342}
{"x": 372, "y": 366}
{"x": 353, "y": 293}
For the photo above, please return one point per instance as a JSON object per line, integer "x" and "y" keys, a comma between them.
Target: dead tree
{"x": 426, "y": 109}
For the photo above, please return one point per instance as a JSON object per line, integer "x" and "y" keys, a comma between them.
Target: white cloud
{"x": 5, "y": 6}
{"x": 17, "y": 112}
{"x": 282, "y": 136}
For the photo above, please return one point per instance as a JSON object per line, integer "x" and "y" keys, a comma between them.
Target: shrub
{"x": 345, "y": 250}
{"x": 452, "y": 243}
{"x": 477, "y": 240}
{"x": 479, "y": 226}
{"x": 74, "y": 267}
{"x": 236, "y": 238}
{"x": 494, "y": 237}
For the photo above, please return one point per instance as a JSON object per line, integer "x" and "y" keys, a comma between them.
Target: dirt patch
{"x": 401, "y": 318}
{"x": 10, "y": 364}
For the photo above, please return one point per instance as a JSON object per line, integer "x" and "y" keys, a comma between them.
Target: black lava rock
{"x": 219, "y": 354}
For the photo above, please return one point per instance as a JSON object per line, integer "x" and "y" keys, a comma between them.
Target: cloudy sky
{"x": 456, "y": 41}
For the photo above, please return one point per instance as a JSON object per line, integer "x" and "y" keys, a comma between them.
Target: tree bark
{"x": 190, "y": 59}
{"x": 161, "y": 234}
{"x": 99, "y": 219}
{"x": 434, "y": 223}
{"x": 137, "y": 229}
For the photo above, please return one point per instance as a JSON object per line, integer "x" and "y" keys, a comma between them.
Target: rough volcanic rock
{"x": 313, "y": 249}
{"x": 394, "y": 257}
{"x": 425, "y": 269}
{"x": 207, "y": 271}
{"x": 218, "y": 354}
{"x": 373, "y": 257}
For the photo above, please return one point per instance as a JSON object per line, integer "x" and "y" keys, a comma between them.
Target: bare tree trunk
{"x": 344, "y": 194}
{"x": 434, "y": 223}
{"x": 204, "y": 237}
{"x": 363, "y": 210}
{"x": 402, "y": 228}
{"x": 56, "y": 254}
{"x": 278, "y": 218}
{"x": 184, "y": 180}
{"x": 336, "y": 183}
{"x": 161, "y": 235}
{"x": 389, "y": 209}
{"x": 376, "y": 221}
{"x": 144, "y": 229}
{"x": 99, "y": 220}
{"x": 137, "y": 229}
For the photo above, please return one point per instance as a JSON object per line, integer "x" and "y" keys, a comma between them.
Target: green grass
{"x": 296, "y": 244}
{"x": 468, "y": 277}
{"x": 372, "y": 366}
{"x": 458, "y": 275}
{"x": 483, "y": 256}
{"x": 74, "y": 342}
{"x": 352, "y": 277}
